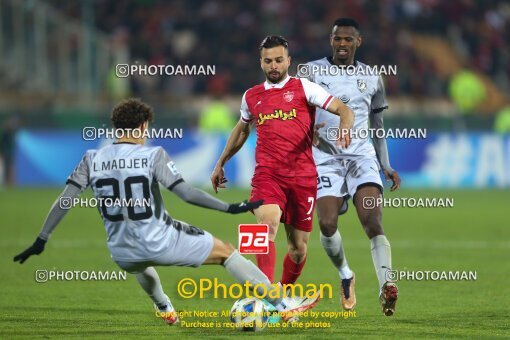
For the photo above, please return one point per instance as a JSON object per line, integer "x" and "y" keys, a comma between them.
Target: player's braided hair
{"x": 131, "y": 113}
{"x": 272, "y": 41}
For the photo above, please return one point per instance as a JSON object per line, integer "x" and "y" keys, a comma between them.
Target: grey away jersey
{"x": 135, "y": 232}
{"x": 364, "y": 94}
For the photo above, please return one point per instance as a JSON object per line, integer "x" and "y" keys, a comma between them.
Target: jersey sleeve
{"x": 379, "y": 102}
{"x": 165, "y": 170}
{"x": 81, "y": 174}
{"x": 316, "y": 95}
{"x": 246, "y": 115}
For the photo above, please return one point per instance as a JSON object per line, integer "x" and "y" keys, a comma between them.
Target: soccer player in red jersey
{"x": 283, "y": 111}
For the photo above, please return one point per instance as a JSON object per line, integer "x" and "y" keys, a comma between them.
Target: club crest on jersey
{"x": 288, "y": 96}
{"x": 278, "y": 114}
{"x": 362, "y": 85}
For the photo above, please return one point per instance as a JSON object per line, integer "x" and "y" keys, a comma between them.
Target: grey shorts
{"x": 341, "y": 178}
{"x": 190, "y": 248}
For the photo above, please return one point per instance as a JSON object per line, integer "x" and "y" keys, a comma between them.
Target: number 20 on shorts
{"x": 253, "y": 239}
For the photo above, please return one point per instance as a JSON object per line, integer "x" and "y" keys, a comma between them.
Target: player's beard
{"x": 275, "y": 78}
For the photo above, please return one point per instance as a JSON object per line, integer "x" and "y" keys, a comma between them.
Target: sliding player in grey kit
{"x": 141, "y": 236}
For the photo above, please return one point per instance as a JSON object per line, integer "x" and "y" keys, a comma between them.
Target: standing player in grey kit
{"x": 352, "y": 172}
{"x": 141, "y": 237}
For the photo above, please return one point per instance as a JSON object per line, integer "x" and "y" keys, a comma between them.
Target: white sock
{"x": 335, "y": 250}
{"x": 280, "y": 306}
{"x": 244, "y": 270}
{"x": 149, "y": 280}
{"x": 381, "y": 256}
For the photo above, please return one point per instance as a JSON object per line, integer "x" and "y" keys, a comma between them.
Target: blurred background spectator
{"x": 63, "y": 65}
{"x": 227, "y": 34}
{"x": 78, "y": 44}
{"x": 7, "y": 148}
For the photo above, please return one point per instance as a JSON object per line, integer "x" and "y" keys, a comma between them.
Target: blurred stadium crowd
{"x": 227, "y": 34}
{"x": 58, "y": 72}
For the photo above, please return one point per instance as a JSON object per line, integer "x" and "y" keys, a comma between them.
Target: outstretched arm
{"x": 235, "y": 141}
{"x": 167, "y": 174}
{"x": 76, "y": 183}
{"x": 54, "y": 217}
{"x": 59, "y": 210}
{"x": 200, "y": 198}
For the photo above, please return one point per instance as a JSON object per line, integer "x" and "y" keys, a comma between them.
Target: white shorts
{"x": 342, "y": 178}
{"x": 190, "y": 248}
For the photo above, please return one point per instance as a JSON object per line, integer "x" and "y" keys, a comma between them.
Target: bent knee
{"x": 224, "y": 250}
{"x": 298, "y": 251}
{"x": 272, "y": 222}
{"x": 328, "y": 225}
{"x": 273, "y": 226}
{"x": 227, "y": 248}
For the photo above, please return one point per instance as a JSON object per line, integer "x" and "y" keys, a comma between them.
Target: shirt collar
{"x": 268, "y": 85}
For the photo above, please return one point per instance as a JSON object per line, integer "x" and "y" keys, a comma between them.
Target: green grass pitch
{"x": 472, "y": 236}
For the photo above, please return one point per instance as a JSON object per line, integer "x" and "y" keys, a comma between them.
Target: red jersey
{"x": 284, "y": 116}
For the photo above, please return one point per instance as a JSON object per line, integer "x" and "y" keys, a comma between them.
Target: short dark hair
{"x": 131, "y": 113}
{"x": 272, "y": 41}
{"x": 346, "y": 22}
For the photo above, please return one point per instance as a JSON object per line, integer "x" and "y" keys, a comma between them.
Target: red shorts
{"x": 294, "y": 195}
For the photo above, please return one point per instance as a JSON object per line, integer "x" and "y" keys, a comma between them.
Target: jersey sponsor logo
{"x": 278, "y": 114}
{"x": 253, "y": 239}
{"x": 362, "y": 85}
{"x": 259, "y": 102}
{"x": 345, "y": 99}
{"x": 288, "y": 96}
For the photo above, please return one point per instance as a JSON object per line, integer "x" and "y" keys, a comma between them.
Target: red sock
{"x": 267, "y": 261}
{"x": 291, "y": 270}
